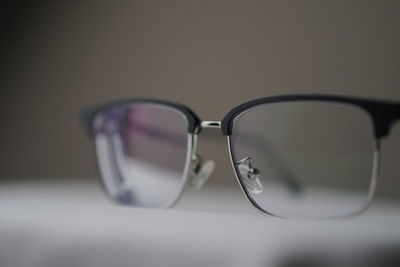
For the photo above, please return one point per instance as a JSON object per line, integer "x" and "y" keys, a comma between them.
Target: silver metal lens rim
{"x": 191, "y": 151}
{"x": 361, "y": 210}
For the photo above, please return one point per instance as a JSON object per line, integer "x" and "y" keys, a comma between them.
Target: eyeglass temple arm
{"x": 87, "y": 118}
{"x": 277, "y": 162}
{"x": 398, "y": 111}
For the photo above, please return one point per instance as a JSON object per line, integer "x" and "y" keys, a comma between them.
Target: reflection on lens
{"x": 142, "y": 151}
{"x": 312, "y": 159}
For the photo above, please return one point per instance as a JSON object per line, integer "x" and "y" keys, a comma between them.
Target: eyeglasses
{"x": 296, "y": 156}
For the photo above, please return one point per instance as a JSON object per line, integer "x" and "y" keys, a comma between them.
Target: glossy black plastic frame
{"x": 89, "y": 115}
{"x": 383, "y": 113}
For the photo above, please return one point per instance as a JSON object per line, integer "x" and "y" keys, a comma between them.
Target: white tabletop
{"x": 74, "y": 224}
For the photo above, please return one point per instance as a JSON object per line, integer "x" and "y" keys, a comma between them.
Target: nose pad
{"x": 201, "y": 172}
{"x": 250, "y": 176}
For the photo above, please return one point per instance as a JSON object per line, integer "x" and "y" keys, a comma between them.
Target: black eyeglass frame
{"x": 382, "y": 113}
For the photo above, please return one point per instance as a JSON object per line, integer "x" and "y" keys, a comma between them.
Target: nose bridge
{"x": 199, "y": 171}
{"x": 210, "y": 124}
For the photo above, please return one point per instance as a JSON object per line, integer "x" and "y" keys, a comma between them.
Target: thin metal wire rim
{"x": 351, "y": 215}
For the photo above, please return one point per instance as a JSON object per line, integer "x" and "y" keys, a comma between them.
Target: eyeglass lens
{"x": 304, "y": 159}
{"x": 142, "y": 151}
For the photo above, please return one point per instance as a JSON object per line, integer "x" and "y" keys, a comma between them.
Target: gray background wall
{"x": 60, "y": 56}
